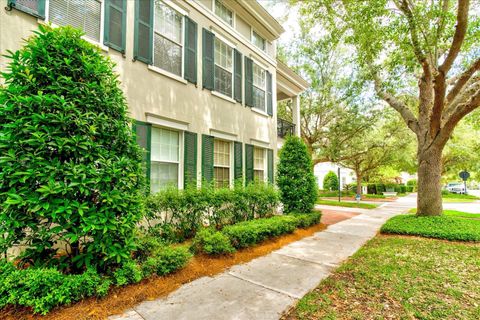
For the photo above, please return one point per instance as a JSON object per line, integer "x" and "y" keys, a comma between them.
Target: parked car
{"x": 456, "y": 187}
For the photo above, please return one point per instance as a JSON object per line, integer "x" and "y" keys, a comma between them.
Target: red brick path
{"x": 332, "y": 216}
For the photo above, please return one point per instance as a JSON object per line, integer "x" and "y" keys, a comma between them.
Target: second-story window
{"x": 168, "y": 39}
{"x": 223, "y": 68}
{"x": 223, "y": 12}
{"x": 82, "y": 14}
{"x": 258, "y": 41}
{"x": 259, "y": 87}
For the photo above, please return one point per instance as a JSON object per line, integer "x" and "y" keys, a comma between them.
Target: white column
{"x": 296, "y": 114}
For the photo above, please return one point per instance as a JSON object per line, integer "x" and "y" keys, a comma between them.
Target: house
{"x": 320, "y": 170}
{"x": 201, "y": 79}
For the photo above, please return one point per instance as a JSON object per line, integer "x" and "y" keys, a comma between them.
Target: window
{"x": 83, "y": 14}
{"x": 223, "y": 12}
{"x": 168, "y": 39}
{"x": 259, "y": 164}
{"x": 223, "y": 68}
{"x": 221, "y": 163}
{"x": 258, "y": 41}
{"x": 259, "y": 87}
{"x": 164, "y": 159}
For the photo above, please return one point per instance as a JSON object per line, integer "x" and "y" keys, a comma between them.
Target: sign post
{"x": 464, "y": 175}
{"x": 339, "y": 186}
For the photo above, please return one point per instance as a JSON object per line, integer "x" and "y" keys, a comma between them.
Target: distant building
{"x": 347, "y": 176}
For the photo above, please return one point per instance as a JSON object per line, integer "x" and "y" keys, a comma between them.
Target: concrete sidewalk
{"x": 266, "y": 287}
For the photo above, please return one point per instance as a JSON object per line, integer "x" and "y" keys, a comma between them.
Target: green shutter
{"x": 190, "y": 160}
{"x": 143, "y": 33}
{"x": 207, "y": 158}
{"x": 269, "y": 94}
{"x": 143, "y": 134}
{"x": 248, "y": 82}
{"x": 35, "y": 8}
{"x": 249, "y": 163}
{"x": 237, "y": 81}
{"x": 115, "y": 24}
{"x": 208, "y": 40}
{"x": 270, "y": 165}
{"x": 238, "y": 161}
{"x": 190, "y": 62}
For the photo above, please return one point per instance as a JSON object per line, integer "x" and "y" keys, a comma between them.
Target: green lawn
{"x": 454, "y": 213}
{"x": 454, "y": 225}
{"x": 347, "y": 204}
{"x": 452, "y": 197}
{"x": 394, "y": 277}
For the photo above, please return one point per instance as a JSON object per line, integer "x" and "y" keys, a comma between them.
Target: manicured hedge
{"x": 249, "y": 233}
{"x": 441, "y": 227}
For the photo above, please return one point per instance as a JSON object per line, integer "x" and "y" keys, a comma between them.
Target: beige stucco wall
{"x": 150, "y": 92}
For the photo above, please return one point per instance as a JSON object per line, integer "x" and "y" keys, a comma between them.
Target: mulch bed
{"x": 121, "y": 299}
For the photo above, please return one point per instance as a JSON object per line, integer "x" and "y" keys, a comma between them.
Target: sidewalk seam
{"x": 264, "y": 286}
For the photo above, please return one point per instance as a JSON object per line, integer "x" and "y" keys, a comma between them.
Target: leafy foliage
{"x": 295, "y": 179}
{"x": 213, "y": 242}
{"x": 166, "y": 260}
{"x": 441, "y": 227}
{"x": 330, "y": 181}
{"x": 70, "y": 170}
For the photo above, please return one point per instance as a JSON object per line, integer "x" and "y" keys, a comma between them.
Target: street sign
{"x": 464, "y": 175}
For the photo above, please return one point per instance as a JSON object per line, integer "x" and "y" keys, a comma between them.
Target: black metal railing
{"x": 285, "y": 128}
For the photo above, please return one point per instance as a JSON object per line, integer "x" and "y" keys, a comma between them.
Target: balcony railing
{"x": 285, "y": 128}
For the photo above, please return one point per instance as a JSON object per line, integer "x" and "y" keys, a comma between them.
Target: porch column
{"x": 296, "y": 114}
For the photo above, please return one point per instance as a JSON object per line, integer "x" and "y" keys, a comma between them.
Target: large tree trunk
{"x": 359, "y": 183}
{"x": 429, "y": 200}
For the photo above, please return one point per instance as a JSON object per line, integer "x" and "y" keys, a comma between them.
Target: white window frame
{"x": 181, "y": 137}
{"x": 229, "y": 44}
{"x": 264, "y": 40}
{"x": 93, "y": 41}
{"x": 231, "y": 162}
{"x": 264, "y": 169}
{"x": 264, "y": 89}
{"x": 183, "y": 13}
{"x": 214, "y": 10}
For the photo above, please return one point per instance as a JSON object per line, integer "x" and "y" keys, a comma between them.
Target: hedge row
{"x": 249, "y": 233}
{"x": 43, "y": 289}
{"x": 176, "y": 215}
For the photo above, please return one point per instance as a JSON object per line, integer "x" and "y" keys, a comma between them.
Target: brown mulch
{"x": 123, "y": 298}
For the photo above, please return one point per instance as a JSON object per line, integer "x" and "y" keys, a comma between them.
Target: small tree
{"x": 330, "y": 182}
{"x": 70, "y": 170}
{"x": 298, "y": 189}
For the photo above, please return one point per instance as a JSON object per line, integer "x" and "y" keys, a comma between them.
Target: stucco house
{"x": 200, "y": 76}
{"x": 320, "y": 170}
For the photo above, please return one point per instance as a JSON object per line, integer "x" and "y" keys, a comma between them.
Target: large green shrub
{"x": 210, "y": 241}
{"x": 295, "y": 179}
{"x": 70, "y": 170}
{"x": 330, "y": 181}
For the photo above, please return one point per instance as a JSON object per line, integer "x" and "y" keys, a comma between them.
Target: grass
{"x": 451, "y": 226}
{"x": 394, "y": 277}
{"x": 347, "y": 204}
{"x": 454, "y": 213}
{"x": 453, "y": 197}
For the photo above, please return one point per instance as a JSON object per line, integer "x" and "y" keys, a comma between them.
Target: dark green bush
{"x": 371, "y": 188}
{"x": 409, "y": 188}
{"x": 213, "y": 242}
{"x": 129, "y": 272}
{"x": 306, "y": 220}
{"x": 44, "y": 289}
{"x": 70, "y": 170}
{"x": 295, "y": 179}
{"x": 330, "y": 181}
{"x": 380, "y": 188}
{"x": 166, "y": 260}
{"x": 248, "y": 233}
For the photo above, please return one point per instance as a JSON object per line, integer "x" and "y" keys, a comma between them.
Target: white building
{"x": 347, "y": 176}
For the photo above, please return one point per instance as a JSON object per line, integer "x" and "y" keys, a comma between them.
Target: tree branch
{"x": 400, "y": 107}
{"x": 462, "y": 80}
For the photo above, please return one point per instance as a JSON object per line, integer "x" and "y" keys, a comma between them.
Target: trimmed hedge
{"x": 249, "y": 233}
{"x": 441, "y": 227}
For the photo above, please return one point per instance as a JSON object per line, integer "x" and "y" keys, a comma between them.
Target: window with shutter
{"x": 115, "y": 24}
{"x": 208, "y": 39}
{"x": 207, "y": 158}
{"x": 35, "y": 8}
{"x": 223, "y": 68}
{"x": 238, "y": 162}
{"x": 249, "y": 176}
{"x": 142, "y": 132}
{"x": 269, "y": 94}
{"x": 248, "y": 82}
{"x": 259, "y": 164}
{"x": 221, "y": 163}
{"x": 82, "y": 14}
{"x": 190, "y": 72}
{"x": 190, "y": 160}
{"x": 142, "y": 50}
{"x": 259, "y": 87}
{"x": 237, "y": 91}
{"x": 270, "y": 165}
{"x": 165, "y": 159}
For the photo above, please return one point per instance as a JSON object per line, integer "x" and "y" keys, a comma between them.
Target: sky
{"x": 285, "y": 15}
